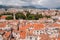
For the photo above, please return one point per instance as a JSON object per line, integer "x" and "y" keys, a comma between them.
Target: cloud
{"x": 45, "y": 3}
{"x": 51, "y": 3}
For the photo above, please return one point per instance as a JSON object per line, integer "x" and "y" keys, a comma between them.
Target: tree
{"x": 47, "y": 16}
{"x": 40, "y": 16}
{"x": 9, "y": 17}
{"x": 31, "y": 17}
{"x": 0, "y": 15}
{"x": 20, "y": 16}
{"x": 7, "y": 13}
{"x": 28, "y": 13}
{"x": 37, "y": 16}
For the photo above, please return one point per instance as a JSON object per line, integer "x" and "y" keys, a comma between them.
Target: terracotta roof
{"x": 3, "y": 17}
{"x": 28, "y": 29}
{"x": 58, "y": 38}
{"x": 56, "y": 25}
{"x": 2, "y": 31}
{"x": 22, "y": 34}
{"x": 53, "y": 38}
{"x": 35, "y": 27}
{"x": 7, "y": 34}
{"x": 38, "y": 26}
{"x": 2, "y": 25}
{"x": 44, "y": 37}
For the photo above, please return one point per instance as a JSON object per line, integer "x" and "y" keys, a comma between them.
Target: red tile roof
{"x": 38, "y": 26}
{"x": 25, "y": 31}
{"x": 56, "y": 25}
{"x": 22, "y": 34}
{"x": 2, "y": 25}
{"x": 3, "y": 17}
{"x": 7, "y": 34}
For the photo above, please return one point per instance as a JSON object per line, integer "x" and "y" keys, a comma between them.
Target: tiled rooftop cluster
{"x": 29, "y": 30}
{"x": 42, "y": 29}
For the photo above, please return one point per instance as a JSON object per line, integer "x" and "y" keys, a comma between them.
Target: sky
{"x": 45, "y": 3}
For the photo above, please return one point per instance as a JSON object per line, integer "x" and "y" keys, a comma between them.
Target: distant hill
{"x": 58, "y": 8}
{"x": 3, "y": 6}
{"x": 34, "y": 7}
{"x": 30, "y": 6}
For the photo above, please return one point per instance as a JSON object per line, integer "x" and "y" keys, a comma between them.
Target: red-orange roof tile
{"x": 3, "y": 17}
{"x": 22, "y": 34}
{"x": 56, "y": 25}
{"x": 2, "y": 25}
{"x": 7, "y": 34}
{"x": 38, "y": 26}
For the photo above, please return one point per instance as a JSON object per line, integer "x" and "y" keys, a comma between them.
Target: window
{"x": 37, "y": 31}
{"x": 30, "y": 38}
